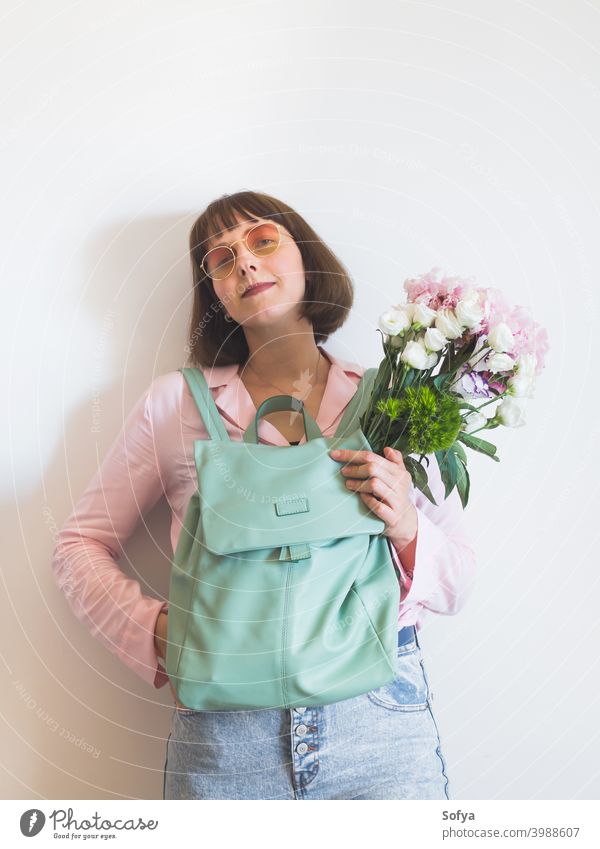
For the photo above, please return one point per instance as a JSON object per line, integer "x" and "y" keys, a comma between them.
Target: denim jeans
{"x": 383, "y": 744}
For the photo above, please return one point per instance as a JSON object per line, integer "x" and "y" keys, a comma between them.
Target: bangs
{"x": 220, "y": 221}
{"x": 221, "y": 216}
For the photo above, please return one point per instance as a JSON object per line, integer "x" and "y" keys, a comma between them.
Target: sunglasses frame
{"x": 244, "y": 240}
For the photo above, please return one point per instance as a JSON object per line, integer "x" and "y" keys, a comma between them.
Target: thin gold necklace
{"x": 274, "y": 385}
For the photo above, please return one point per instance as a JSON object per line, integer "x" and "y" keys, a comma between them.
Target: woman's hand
{"x": 160, "y": 642}
{"x": 383, "y": 483}
{"x": 160, "y": 634}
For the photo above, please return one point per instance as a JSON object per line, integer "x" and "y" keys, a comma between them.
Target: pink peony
{"x": 530, "y": 337}
{"x": 497, "y": 308}
{"x": 439, "y": 290}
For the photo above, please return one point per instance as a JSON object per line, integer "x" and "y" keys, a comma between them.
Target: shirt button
{"x": 302, "y": 748}
{"x": 300, "y": 709}
{"x": 301, "y": 730}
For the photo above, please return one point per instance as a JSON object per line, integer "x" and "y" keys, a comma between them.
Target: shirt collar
{"x": 235, "y": 403}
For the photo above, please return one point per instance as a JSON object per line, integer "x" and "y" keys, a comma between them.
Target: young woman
{"x": 267, "y": 294}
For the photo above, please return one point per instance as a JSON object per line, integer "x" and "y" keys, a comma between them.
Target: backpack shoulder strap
{"x": 358, "y": 404}
{"x": 206, "y": 405}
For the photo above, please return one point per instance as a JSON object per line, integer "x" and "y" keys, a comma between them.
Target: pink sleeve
{"x": 445, "y": 561}
{"x": 108, "y": 603}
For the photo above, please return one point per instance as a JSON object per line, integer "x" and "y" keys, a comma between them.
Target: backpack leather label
{"x": 295, "y": 505}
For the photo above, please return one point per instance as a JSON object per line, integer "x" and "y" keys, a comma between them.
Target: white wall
{"x": 410, "y": 135}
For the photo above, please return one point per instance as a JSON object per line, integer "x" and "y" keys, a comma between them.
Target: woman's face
{"x": 284, "y": 269}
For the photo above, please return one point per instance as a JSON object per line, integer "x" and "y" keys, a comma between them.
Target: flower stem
{"x": 492, "y": 400}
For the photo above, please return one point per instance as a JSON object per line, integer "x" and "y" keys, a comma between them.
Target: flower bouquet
{"x": 455, "y": 358}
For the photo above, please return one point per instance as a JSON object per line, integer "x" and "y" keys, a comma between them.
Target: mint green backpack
{"x": 283, "y": 592}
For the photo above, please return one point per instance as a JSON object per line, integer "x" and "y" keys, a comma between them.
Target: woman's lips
{"x": 254, "y": 290}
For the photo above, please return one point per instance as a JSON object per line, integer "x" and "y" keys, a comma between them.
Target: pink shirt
{"x": 154, "y": 456}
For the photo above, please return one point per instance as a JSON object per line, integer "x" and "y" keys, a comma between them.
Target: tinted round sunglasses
{"x": 260, "y": 240}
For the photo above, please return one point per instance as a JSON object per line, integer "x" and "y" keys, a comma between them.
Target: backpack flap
{"x": 265, "y": 496}
{"x": 254, "y": 496}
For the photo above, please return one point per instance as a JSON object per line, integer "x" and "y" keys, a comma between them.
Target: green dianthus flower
{"x": 389, "y": 406}
{"x": 433, "y": 419}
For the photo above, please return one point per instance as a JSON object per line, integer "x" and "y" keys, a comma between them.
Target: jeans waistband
{"x": 406, "y": 635}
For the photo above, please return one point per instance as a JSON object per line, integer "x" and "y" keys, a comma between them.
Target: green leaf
{"x": 448, "y": 466}
{"x": 419, "y": 477}
{"x": 463, "y": 484}
{"x": 465, "y": 405}
{"x": 440, "y": 381}
{"x": 424, "y": 488}
{"x": 382, "y": 378}
{"x": 460, "y": 451}
{"x": 411, "y": 376}
{"x": 478, "y": 445}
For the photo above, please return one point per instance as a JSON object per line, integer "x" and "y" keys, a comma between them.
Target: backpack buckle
{"x": 301, "y": 551}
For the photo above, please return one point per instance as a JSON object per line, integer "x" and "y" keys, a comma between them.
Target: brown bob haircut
{"x": 329, "y": 292}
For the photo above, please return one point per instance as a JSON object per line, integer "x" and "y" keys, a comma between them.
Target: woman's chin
{"x": 267, "y": 314}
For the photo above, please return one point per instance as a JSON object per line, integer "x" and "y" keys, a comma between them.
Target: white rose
{"x": 447, "y": 324}
{"x": 499, "y": 362}
{"x": 474, "y": 421}
{"x": 407, "y": 307}
{"x": 521, "y": 386}
{"x": 478, "y": 362}
{"x": 393, "y": 322}
{"x": 500, "y": 338}
{"x": 434, "y": 339}
{"x": 526, "y": 365}
{"x": 469, "y": 312}
{"x": 415, "y": 356}
{"x": 423, "y": 315}
{"x": 432, "y": 360}
{"x": 510, "y": 414}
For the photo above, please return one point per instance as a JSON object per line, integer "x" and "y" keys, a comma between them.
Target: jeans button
{"x": 302, "y": 748}
{"x": 301, "y": 730}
